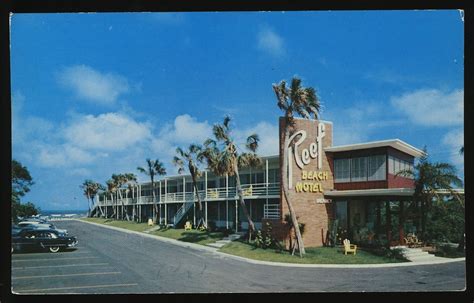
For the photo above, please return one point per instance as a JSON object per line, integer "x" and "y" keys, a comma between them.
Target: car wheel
{"x": 54, "y": 249}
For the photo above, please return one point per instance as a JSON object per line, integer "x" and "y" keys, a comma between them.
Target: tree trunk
{"x": 423, "y": 220}
{"x": 284, "y": 181}
{"x": 89, "y": 212}
{"x": 112, "y": 205}
{"x": 242, "y": 202}
{"x": 102, "y": 213}
{"x": 123, "y": 208}
{"x": 199, "y": 212}
{"x": 155, "y": 205}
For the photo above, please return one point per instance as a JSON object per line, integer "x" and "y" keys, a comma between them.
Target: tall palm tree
{"x": 91, "y": 189}
{"x": 294, "y": 101}
{"x": 429, "y": 178}
{"x": 121, "y": 180}
{"x": 223, "y": 158}
{"x": 154, "y": 168}
{"x": 112, "y": 189}
{"x": 190, "y": 159}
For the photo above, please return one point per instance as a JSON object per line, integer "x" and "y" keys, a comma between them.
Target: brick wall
{"x": 314, "y": 215}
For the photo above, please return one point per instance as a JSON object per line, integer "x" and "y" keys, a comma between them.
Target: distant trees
{"x": 21, "y": 183}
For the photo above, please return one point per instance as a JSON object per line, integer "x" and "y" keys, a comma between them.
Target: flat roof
{"x": 371, "y": 192}
{"x": 395, "y": 143}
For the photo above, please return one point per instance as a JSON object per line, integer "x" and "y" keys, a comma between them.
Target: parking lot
{"x": 107, "y": 261}
{"x": 78, "y": 270}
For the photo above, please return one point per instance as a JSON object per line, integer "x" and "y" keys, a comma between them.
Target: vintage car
{"x": 36, "y": 225}
{"x": 49, "y": 239}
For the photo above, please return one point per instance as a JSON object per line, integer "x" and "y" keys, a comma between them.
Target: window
{"x": 359, "y": 169}
{"x": 377, "y": 168}
{"x": 342, "y": 170}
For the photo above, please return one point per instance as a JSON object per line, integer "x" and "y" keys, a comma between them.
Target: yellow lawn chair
{"x": 348, "y": 247}
{"x": 188, "y": 226}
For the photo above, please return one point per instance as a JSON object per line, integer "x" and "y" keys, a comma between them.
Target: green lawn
{"x": 193, "y": 236}
{"x": 319, "y": 255}
{"x": 119, "y": 223}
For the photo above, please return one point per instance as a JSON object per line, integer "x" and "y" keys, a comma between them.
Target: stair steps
{"x": 225, "y": 241}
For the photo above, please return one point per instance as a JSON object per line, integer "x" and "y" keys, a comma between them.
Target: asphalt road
{"x": 108, "y": 261}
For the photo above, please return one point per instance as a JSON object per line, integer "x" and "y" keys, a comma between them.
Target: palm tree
{"x": 91, "y": 189}
{"x": 155, "y": 168}
{"x": 223, "y": 159}
{"x": 301, "y": 101}
{"x": 429, "y": 178}
{"x": 191, "y": 159}
{"x": 112, "y": 188}
{"x": 121, "y": 180}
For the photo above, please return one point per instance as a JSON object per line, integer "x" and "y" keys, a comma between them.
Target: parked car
{"x": 16, "y": 229}
{"x": 36, "y": 225}
{"x": 49, "y": 239}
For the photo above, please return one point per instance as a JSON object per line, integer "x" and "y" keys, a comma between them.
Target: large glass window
{"x": 359, "y": 169}
{"x": 342, "y": 170}
{"x": 341, "y": 213}
{"x": 377, "y": 168}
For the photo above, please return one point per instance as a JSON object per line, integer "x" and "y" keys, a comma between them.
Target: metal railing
{"x": 212, "y": 194}
{"x": 181, "y": 212}
{"x": 271, "y": 211}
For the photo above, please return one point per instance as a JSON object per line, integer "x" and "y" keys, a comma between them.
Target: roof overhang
{"x": 394, "y": 143}
{"x": 404, "y": 192}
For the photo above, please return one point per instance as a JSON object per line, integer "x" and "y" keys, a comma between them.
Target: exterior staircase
{"x": 225, "y": 240}
{"x": 417, "y": 254}
{"x": 181, "y": 212}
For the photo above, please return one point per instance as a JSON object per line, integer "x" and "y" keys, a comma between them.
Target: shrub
{"x": 264, "y": 239}
{"x": 211, "y": 226}
{"x": 448, "y": 251}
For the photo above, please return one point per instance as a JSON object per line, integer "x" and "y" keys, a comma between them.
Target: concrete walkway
{"x": 435, "y": 260}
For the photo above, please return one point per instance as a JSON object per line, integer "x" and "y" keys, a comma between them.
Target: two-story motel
{"x": 356, "y": 184}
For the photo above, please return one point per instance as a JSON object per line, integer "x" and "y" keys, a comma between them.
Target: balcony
{"x": 250, "y": 191}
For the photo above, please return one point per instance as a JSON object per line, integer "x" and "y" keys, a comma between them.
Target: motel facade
{"x": 355, "y": 187}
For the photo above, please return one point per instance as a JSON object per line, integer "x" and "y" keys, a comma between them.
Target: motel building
{"x": 354, "y": 184}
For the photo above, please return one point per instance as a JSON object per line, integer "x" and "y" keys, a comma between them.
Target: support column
{"x": 388, "y": 222}
{"x": 194, "y": 214}
{"x": 401, "y": 222}
{"x": 206, "y": 213}
{"x": 161, "y": 205}
{"x": 226, "y": 213}
{"x": 378, "y": 221}
{"x": 236, "y": 216}
{"x": 166, "y": 215}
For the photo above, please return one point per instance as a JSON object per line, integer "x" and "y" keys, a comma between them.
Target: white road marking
{"x": 56, "y": 259}
{"x": 77, "y": 287}
{"x": 67, "y": 265}
{"x": 68, "y": 275}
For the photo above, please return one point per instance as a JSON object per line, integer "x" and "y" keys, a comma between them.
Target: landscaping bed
{"x": 314, "y": 255}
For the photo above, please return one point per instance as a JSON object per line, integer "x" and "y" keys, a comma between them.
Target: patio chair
{"x": 188, "y": 226}
{"x": 348, "y": 247}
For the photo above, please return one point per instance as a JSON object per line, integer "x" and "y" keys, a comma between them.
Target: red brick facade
{"x": 314, "y": 215}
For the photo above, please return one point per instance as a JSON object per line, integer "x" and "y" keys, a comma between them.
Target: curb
{"x": 281, "y": 264}
{"x": 160, "y": 238}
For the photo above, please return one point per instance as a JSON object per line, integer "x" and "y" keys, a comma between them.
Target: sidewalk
{"x": 436, "y": 260}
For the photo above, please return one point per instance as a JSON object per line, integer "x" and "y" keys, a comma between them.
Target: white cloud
{"x": 64, "y": 155}
{"x": 454, "y": 141}
{"x": 269, "y": 41}
{"x": 92, "y": 85}
{"x": 110, "y": 131}
{"x": 187, "y": 129}
{"x": 432, "y": 107}
{"x": 268, "y": 135}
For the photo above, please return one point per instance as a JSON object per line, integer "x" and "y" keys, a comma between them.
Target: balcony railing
{"x": 271, "y": 211}
{"x": 211, "y": 194}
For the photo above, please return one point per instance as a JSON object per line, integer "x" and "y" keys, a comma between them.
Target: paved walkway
{"x": 435, "y": 260}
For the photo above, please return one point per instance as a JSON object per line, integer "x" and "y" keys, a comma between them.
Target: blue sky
{"x": 95, "y": 94}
